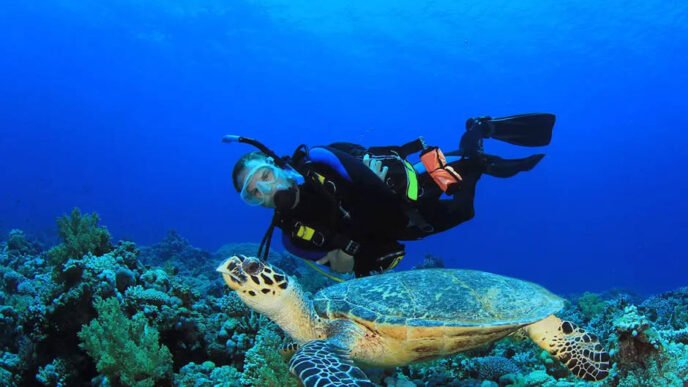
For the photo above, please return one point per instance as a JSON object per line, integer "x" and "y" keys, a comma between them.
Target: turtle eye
{"x": 252, "y": 267}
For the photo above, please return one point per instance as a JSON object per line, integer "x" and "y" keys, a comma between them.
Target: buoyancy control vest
{"x": 382, "y": 208}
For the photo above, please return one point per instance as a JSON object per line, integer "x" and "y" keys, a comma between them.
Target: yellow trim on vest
{"x": 305, "y": 232}
{"x": 320, "y": 177}
{"x": 395, "y": 262}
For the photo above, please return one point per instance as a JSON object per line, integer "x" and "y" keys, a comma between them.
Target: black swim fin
{"x": 499, "y": 167}
{"x": 533, "y": 129}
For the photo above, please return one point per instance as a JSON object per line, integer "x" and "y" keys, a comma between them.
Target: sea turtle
{"x": 395, "y": 319}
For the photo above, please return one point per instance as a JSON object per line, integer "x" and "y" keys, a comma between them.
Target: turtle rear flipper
{"x": 325, "y": 363}
{"x": 579, "y": 351}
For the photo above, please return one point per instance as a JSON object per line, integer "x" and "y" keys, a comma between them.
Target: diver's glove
{"x": 375, "y": 165}
{"x": 339, "y": 261}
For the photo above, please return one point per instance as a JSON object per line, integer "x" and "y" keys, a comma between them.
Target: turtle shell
{"x": 438, "y": 297}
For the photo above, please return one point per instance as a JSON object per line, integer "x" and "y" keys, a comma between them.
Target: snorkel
{"x": 232, "y": 138}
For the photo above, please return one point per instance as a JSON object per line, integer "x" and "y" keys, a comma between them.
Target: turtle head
{"x": 269, "y": 291}
{"x": 258, "y": 284}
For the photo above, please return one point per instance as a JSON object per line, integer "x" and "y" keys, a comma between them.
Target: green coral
{"x": 264, "y": 365}
{"x": 137, "y": 295}
{"x": 125, "y": 350}
{"x": 80, "y": 235}
{"x": 18, "y": 245}
{"x": 590, "y": 305}
{"x": 207, "y": 374}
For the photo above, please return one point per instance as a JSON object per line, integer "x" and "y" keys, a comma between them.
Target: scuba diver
{"x": 348, "y": 206}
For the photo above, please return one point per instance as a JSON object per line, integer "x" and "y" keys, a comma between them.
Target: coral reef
{"x": 264, "y": 365}
{"x": 176, "y": 253}
{"x": 19, "y": 246}
{"x": 125, "y": 350}
{"x": 207, "y": 374}
{"x": 80, "y": 235}
{"x": 90, "y": 312}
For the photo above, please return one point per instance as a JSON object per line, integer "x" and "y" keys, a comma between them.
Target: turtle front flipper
{"x": 326, "y": 363}
{"x": 580, "y": 351}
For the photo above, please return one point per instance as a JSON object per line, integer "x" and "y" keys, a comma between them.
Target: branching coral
{"x": 126, "y": 350}
{"x": 80, "y": 235}
{"x": 264, "y": 365}
{"x": 590, "y": 305}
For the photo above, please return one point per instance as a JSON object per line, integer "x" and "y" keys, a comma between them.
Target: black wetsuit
{"x": 360, "y": 207}
{"x": 445, "y": 213}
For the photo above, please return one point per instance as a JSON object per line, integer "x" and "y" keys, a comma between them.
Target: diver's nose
{"x": 252, "y": 266}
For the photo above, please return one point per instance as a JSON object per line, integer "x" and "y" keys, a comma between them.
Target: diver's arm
{"x": 339, "y": 261}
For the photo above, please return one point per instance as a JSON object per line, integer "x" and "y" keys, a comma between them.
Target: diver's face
{"x": 261, "y": 180}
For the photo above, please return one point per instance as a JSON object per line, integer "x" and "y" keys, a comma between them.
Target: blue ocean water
{"x": 119, "y": 107}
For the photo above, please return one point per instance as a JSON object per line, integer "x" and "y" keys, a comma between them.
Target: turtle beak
{"x": 232, "y": 272}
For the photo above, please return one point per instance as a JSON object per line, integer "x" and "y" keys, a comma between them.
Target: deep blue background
{"x": 119, "y": 109}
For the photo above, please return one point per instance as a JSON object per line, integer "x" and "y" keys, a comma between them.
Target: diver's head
{"x": 258, "y": 180}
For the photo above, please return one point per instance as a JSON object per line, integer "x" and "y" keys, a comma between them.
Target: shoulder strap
{"x": 403, "y": 151}
{"x": 326, "y": 156}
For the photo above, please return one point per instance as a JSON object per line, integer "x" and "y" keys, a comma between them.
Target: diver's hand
{"x": 339, "y": 261}
{"x": 375, "y": 166}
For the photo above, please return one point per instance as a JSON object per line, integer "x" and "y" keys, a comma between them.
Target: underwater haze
{"x": 119, "y": 108}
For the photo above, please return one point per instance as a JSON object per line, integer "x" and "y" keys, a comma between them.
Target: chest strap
{"x": 322, "y": 238}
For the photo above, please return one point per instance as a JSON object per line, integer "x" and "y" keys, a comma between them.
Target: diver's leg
{"x": 471, "y": 147}
{"x": 444, "y": 214}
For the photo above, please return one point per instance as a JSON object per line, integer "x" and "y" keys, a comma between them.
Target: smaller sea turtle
{"x": 395, "y": 319}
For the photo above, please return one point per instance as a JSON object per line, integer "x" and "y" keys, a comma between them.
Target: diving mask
{"x": 262, "y": 182}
